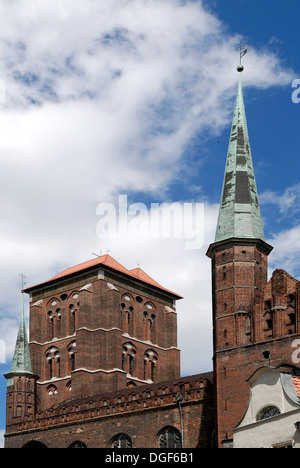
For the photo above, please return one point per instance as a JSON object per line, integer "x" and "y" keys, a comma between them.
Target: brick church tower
{"x": 102, "y": 367}
{"x": 97, "y": 328}
{"x": 254, "y": 322}
{"x": 21, "y": 381}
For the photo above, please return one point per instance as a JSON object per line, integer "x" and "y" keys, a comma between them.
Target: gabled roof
{"x": 111, "y": 263}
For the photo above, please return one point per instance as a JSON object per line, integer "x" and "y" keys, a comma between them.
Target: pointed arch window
{"x": 77, "y": 444}
{"x": 128, "y": 358}
{"x": 149, "y": 324}
{"x": 54, "y": 323}
{"x": 72, "y": 357}
{"x": 53, "y": 363}
{"x": 52, "y": 390}
{"x": 72, "y": 314}
{"x": 122, "y": 441}
{"x": 127, "y": 319}
{"x": 169, "y": 437}
{"x": 150, "y": 365}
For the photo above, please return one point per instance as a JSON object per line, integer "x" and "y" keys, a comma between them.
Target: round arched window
{"x": 267, "y": 412}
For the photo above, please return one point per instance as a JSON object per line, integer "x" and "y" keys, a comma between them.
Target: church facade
{"x": 102, "y": 367}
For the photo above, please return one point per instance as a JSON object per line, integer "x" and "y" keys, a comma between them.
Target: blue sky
{"x": 136, "y": 97}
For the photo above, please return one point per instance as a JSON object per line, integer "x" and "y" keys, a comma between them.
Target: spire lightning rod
{"x": 241, "y": 48}
{"x": 23, "y": 282}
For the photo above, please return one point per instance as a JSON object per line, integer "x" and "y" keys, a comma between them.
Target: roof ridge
{"x": 110, "y": 262}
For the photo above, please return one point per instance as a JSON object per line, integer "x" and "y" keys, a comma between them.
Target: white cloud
{"x": 286, "y": 253}
{"x": 288, "y": 201}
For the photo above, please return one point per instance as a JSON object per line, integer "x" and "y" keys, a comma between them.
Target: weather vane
{"x": 241, "y": 48}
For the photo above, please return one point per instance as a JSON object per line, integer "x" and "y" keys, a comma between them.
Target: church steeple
{"x": 21, "y": 381}
{"x": 21, "y": 363}
{"x": 239, "y": 269}
{"x": 239, "y": 215}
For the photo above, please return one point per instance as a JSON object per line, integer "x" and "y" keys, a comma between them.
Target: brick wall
{"x": 140, "y": 413}
{"x": 255, "y": 324}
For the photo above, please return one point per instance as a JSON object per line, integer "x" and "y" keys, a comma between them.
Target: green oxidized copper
{"x": 239, "y": 215}
{"x": 21, "y": 363}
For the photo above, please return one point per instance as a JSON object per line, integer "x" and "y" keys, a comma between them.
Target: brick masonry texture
{"x": 105, "y": 358}
{"x": 255, "y": 324}
{"x": 140, "y": 413}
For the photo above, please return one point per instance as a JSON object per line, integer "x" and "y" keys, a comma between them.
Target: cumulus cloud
{"x": 102, "y": 98}
{"x": 288, "y": 202}
{"x": 286, "y": 253}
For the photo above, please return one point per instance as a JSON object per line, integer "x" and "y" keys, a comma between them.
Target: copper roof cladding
{"x": 239, "y": 214}
{"x": 111, "y": 263}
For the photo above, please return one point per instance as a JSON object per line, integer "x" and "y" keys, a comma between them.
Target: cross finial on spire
{"x": 241, "y": 48}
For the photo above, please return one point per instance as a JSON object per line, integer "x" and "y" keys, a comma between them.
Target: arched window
{"x": 149, "y": 325}
{"x": 72, "y": 357}
{"x": 128, "y": 358}
{"x": 54, "y": 319}
{"x": 51, "y": 390}
{"x": 53, "y": 363}
{"x": 152, "y": 320}
{"x": 131, "y": 384}
{"x": 69, "y": 386}
{"x": 127, "y": 319}
{"x": 34, "y": 445}
{"x": 77, "y": 444}
{"x": 150, "y": 364}
{"x": 267, "y": 412}
{"x": 169, "y": 437}
{"x": 51, "y": 325}
{"x": 122, "y": 441}
{"x": 72, "y": 312}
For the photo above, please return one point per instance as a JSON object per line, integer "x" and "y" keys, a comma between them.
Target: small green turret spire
{"x": 21, "y": 363}
{"x": 239, "y": 215}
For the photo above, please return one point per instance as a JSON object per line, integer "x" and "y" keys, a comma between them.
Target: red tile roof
{"x": 296, "y": 382}
{"x": 108, "y": 261}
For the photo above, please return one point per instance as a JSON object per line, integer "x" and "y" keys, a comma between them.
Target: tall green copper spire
{"x": 21, "y": 363}
{"x": 239, "y": 215}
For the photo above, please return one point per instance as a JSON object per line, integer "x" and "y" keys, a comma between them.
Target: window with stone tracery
{"x": 169, "y": 437}
{"x": 121, "y": 441}
{"x": 77, "y": 444}
{"x": 72, "y": 357}
{"x": 267, "y": 412}
{"x": 150, "y": 365}
{"x": 53, "y": 363}
{"x": 127, "y": 319}
{"x": 128, "y": 358}
{"x": 54, "y": 324}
